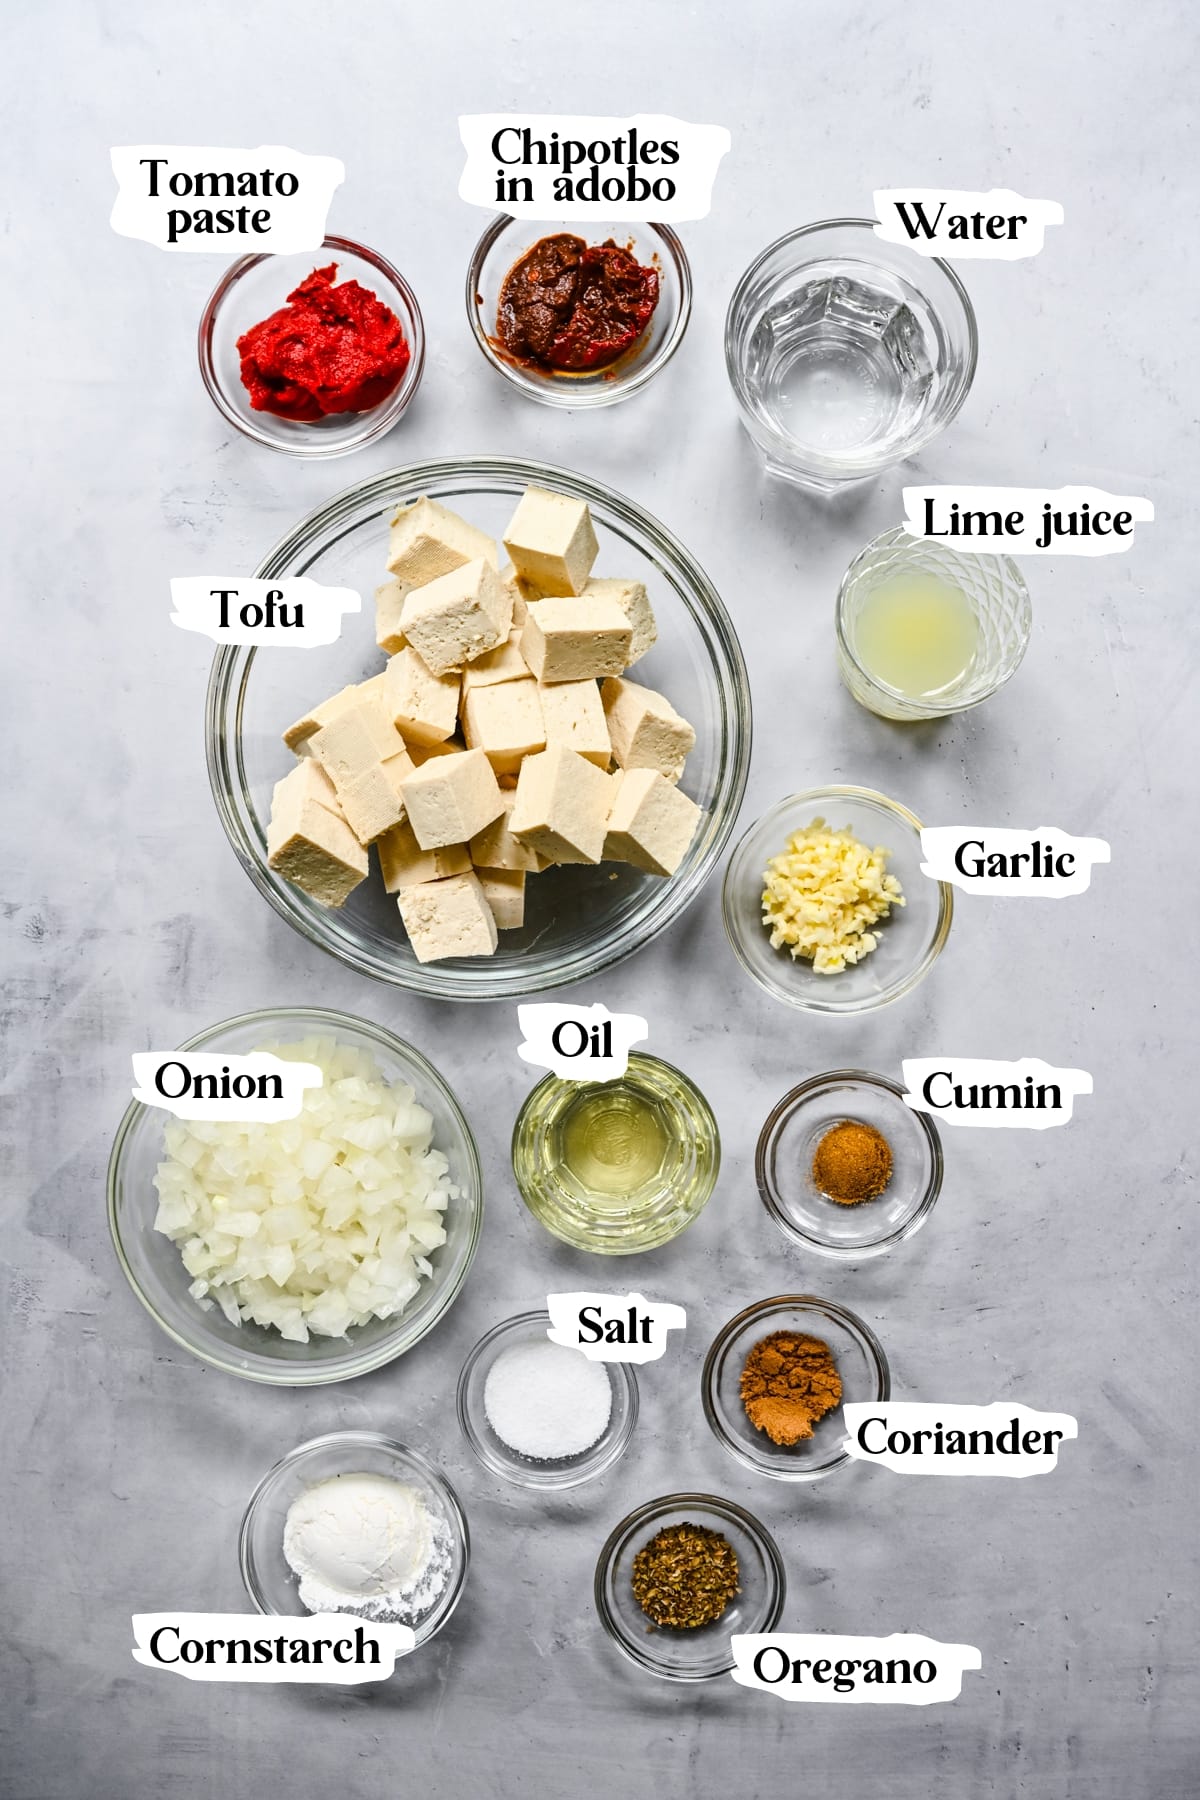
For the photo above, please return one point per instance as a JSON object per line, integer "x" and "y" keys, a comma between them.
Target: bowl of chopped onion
{"x": 309, "y": 1249}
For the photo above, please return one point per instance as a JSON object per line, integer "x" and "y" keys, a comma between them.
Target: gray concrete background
{"x": 1059, "y": 1268}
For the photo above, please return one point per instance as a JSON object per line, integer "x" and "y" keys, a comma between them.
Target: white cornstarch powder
{"x": 547, "y": 1400}
{"x": 368, "y": 1545}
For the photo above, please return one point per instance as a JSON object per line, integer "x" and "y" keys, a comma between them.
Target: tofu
{"x": 310, "y": 846}
{"x": 573, "y": 714}
{"x": 458, "y": 617}
{"x": 422, "y": 706}
{"x": 502, "y": 664}
{"x": 504, "y": 891}
{"x": 521, "y": 592}
{"x": 374, "y": 802}
{"x": 495, "y": 847}
{"x": 428, "y": 540}
{"x": 296, "y": 736}
{"x": 505, "y": 722}
{"x": 389, "y": 603}
{"x": 306, "y": 781}
{"x": 575, "y": 640}
{"x": 354, "y": 740}
{"x": 403, "y": 863}
{"x": 634, "y": 602}
{"x": 450, "y": 798}
{"x": 552, "y": 542}
{"x": 448, "y": 918}
{"x": 561, "y": 806}
{"x": 652, "y": 822}
{"x": 646, "y": 731}
{"x": 421, "y": 753}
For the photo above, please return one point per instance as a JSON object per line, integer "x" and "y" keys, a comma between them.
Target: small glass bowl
{"x": 664, "y": 1202}
{"x": 526, "y": 1471}
{"x": 860, "y": 1363}
{"x": 254, "y": 287}
{"x": 507, "y": 239}
{"x": 995, "y": 590}
{"x": 271, "y": 1583}
{"x": 784, "y": 1159}
{"x": 678, "y": 1654}
{"x": 911, "y": 938}
{"x": 154, "y": 1267}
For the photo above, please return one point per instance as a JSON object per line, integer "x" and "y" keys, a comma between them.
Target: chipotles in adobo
{"x": 573, "y": 306}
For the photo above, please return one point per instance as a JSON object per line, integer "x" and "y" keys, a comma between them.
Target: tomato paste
{"x": 331, "y": 349}
{"x": 574, "y": 306}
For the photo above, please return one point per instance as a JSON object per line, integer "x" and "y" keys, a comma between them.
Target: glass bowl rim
{"x": 786, "y": 1107}
{"x": 761, "y": 1309}
{"x": 646, "y": 1513}
{"x": 382, "y": 417}
{"x": 387, "y": 1349}
{"x": 581, "y": 1469}
{"x": 231, "y": 662}
{"x": 373, "y": 1440}
{"x": 899, "y": 988}
{"x": 568, "y": 394}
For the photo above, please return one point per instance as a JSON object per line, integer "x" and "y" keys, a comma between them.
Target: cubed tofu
{"x": 403, "y": 863}
{"x": 573, "y": 713}
{"x": 551, "y": 541}
{"x": 652, "y": 822}
{"x": 421, "y": 753}
{"x": 458, "y": 617}
{"x": 646, "y": 731}
{"x": 374, "y": 802}
{"x": 634, "y": 602}
{"x": 306, "y": 781}
{"x": 448, "y": 918}
{"x": 522, "y": 593}
{"x": 422, "y": 706}
{"x": 505, "y": 722}
{"x": 355, "y": 739}
{"x": 575, "y": 640}
{"x": 450, "y": 798}
{"x": 429, "y": 540}
{"x": 561, "y": 807}
{"x": 389, "y": 604}
{"x": 504, "y": 891}
{"x": 502, "y": 664}
{"x": 495, "y": 847}
{"x": 314, "y": 848}
{"x": 296, "y": 736}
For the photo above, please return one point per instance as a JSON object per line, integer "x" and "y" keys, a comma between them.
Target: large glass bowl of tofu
{"x": 523, "y": 758}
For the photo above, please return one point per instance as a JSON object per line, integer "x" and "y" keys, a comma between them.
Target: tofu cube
{"x": 561, "y": 807}
{"x": 646, "y": 731}
{"x": 573, "y": 713}
{"x": 495, "y": 847}
{"x": 389, "y": 604}
{"x": 421, "y": 753}
{"x": 314, "y": 848}
{"x": 504, "y": 891}
{"x": 422, "y": 706}
{"x": 306, "y": 781}
{"x": 551, "y": 541}
{"x": 429, "y": 540}
{"x": 505, "y": 722}
{"x": 296, "y": 736}
{"x": 450, "y": 798}
{"x": 374, "y": 802}
{"x": 458, "y": 617}
{"x": 634, "y": 602}
{"x": 355, "y": 739}
{"x": 651, "y": 823}
{"x": 448, "y": 918}
{"x": 403, "y": 863}
{"x": 521, "y": 592}
{"x": 575, "y": 640}
{"x": 502, "y": 664}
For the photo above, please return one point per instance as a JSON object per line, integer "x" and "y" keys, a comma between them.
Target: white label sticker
{"x": 201, "y": 1084}
{"x": 326, "y": 1647}
{"x": 1028, "y": 1094}
{"x": 579, "y": 1043}
{"x": 915, "y": 1438}
{"x": 295, "y": 611}
{"x": 564, "y": 166}
{"x": 901, "y": 1670}
{"x": 190, "y": 197}
{"x": 613, "y": 1327}
{"x": 958, "y": 223}
{"x": 1066, "y": 521}
{"x": 1001, "y": 861}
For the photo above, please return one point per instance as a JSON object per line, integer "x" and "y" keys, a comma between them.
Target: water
{"x": 842, "y": 366}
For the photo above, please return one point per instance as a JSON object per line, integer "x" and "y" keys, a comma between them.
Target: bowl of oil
{"x": 617, "y": 1166}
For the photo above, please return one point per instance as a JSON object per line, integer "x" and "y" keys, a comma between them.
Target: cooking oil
{"x": 613, "y": 1140}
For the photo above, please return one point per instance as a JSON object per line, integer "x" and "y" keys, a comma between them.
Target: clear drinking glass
{"x": 995, "y": 591}
{"x": 845, "y": 353}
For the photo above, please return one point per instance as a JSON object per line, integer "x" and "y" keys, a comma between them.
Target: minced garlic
{"x": 822, "y": 895}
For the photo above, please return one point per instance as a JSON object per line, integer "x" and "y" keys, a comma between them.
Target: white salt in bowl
{"x": 501, "y": 1458}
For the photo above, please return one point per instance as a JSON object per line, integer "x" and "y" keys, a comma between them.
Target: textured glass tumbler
{"x": 993, "y": 587}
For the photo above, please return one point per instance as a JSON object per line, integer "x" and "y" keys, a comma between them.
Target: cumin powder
{"x": 853, "y": 1163}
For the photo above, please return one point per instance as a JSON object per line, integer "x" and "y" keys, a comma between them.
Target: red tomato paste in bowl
{"x": 333, "y": 348}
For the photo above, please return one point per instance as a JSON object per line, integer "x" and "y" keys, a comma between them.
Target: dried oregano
{"x": 685, "y": 1576}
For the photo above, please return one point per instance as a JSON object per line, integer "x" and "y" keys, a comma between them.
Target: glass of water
{"x": 846, "y": 353}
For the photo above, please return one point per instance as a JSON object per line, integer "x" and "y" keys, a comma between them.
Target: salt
{"x": 547, "y": 1401}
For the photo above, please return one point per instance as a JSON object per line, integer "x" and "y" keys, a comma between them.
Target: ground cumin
{"x": 853, "y": 1163}
{"x": 789, "y": 1382}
